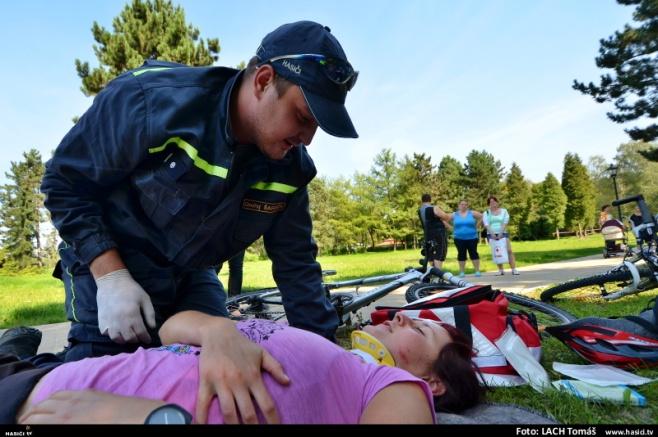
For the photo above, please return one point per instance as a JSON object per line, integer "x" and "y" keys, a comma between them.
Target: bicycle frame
{"x": 352, "y": 302}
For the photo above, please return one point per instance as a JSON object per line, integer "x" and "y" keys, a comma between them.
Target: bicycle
{"x": 267, "y": 304}
{"x": 638, "y": 271}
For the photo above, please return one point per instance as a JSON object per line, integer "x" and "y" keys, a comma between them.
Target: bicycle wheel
{"x": 261, "y": 304}
{"x": 620, "y": 274}
{"x": 545, "y": 313}
{"x": 421, "y": 290}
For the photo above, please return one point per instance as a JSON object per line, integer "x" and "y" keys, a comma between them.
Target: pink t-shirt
{"x": 328, "y": 383}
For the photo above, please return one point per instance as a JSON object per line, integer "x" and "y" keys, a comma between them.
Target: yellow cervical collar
{"x": 370, "y": 349}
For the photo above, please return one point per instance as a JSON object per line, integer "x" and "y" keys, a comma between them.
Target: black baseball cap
{"x": 307, "y": 54}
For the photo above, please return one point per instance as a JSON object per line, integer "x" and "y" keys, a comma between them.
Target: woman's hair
{"x": 604, "y": 207}
{"x": 459, "y": 375}
{"x": 426, "y": 198}
{"x": 492, "y": 197}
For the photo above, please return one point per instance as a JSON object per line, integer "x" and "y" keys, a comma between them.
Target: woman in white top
{"x": 495, "y": 219}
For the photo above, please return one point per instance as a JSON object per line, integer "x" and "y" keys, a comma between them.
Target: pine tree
{"x": 633, "y": 87}
{"x": 579, "y": 189}
{"x": 551, "y": 203}
{"x": 449, "y": 188}
{"x": 145, "y": 29}
{"x": 482, "y": 178}
{"x": 416, "y": 176}
{"x": 22, "y": 213}
{"x": 516, "y": 192}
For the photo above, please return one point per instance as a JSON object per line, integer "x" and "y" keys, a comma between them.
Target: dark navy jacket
{"x": 147, "y": 166}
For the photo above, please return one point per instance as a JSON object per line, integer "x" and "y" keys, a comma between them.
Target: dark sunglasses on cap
{"x": 338, "y": 71}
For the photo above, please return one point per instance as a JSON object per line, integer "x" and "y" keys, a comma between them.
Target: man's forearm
{"x": 105, "y": 263}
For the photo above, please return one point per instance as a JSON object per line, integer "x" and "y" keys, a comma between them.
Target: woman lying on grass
{"x": 327, "y": 384}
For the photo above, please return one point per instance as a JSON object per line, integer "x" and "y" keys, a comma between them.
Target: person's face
{"x": 281, "y": 121}
{"x": 463, "y": 206}
{"x": 414, "y": 343}
{"x": 637, "y": 211}
{"x": 493, "y": 203}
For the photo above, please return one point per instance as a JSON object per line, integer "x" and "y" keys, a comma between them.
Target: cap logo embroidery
{"x": 292, "y": 67}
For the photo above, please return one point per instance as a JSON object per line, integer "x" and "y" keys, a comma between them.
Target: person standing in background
{"x": 495, "y": 219}
{"x": 465, "y": 234}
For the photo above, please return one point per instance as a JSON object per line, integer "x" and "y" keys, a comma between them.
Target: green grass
{"x": 257, "y": 274}
{"x": 38, "y": 299}
{"x": 35, "y": 299}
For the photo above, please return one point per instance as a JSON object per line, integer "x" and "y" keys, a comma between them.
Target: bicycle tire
{"x": 559, "y": 315}
{"x": 550, "y": 314}
{"x": 621, "y": 274}
{"x": 422, "y": 289}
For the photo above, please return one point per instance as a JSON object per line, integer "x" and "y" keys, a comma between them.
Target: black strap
{"x": 463, "y": 320}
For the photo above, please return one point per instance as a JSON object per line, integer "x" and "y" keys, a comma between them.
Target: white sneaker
{"x": 500, "y": 273}
{"x": 515, "y": 272}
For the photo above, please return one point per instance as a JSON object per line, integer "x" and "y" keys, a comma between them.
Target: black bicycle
{"x": 267, "y": 304}
{"x": 638, "y": 271}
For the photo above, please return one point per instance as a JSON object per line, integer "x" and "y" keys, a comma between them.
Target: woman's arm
{"x": 503, "y": 227}
{"x": 89, "y": 407}
{"x": 402, "y": 402}
{"x": 230, "y": 366}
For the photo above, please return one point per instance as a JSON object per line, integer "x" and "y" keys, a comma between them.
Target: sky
{"x": 439, "y": 77}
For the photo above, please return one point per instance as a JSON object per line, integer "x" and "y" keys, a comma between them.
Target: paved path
{"x": 54, "y": 335}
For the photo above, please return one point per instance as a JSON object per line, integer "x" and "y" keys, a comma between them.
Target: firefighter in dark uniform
{"x": 434, "y": 230}
{"x": 175, "y": 169}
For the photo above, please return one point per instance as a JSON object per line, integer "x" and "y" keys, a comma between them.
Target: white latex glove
{"x": 121, "y": 302}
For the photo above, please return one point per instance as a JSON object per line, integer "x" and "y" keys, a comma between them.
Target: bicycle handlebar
{"x": 635, "y": 198}
{"x": 449, "y": 277}
{"x": 647, "y": 218}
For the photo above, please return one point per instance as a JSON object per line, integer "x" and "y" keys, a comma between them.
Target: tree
{"x": 604, "y": 190}
{"x": 416, "y": 176}
{"x": 144, "y": 30}
{"x": 636, "y": 174}
{"x": 449, "y": 188}
{"x": 482, "y": 175}
{"x": 384, "y": 178}
{"x": 579, "y": 189}
{"x": 633, "y": 87}
{"x": 550, "y": 202}
{"x": 22, "y": 212}
{"x": 516, "y": 192}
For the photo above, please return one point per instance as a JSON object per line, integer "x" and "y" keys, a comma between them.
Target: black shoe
{"x": 22, "y": 342}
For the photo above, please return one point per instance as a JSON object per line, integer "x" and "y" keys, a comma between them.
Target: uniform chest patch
{"x": 263, "y": 207}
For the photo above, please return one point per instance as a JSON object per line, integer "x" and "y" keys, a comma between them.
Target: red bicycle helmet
{"x": 622, "y": 342}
